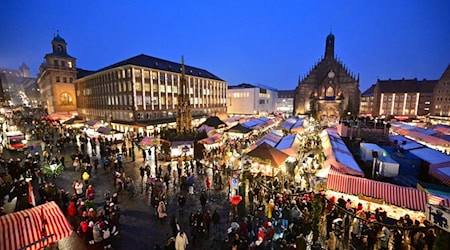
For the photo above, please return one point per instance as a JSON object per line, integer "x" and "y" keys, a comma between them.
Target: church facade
{"x": 329, "y": 91}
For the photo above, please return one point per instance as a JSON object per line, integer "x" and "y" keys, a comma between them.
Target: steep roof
{"x": 446, "y": 74}
{"x": 406, "y": 86}
{"x": 161, "y": 64}
{"x": 369, "y": 91}
{"x": 286, "y": 93}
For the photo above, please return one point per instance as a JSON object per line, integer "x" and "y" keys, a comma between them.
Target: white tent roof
{"x": 431, "y": 156}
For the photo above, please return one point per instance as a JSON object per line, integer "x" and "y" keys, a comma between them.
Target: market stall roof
{"x": 33, "y": 228}
{"x": 298, "y": 126}
{"x": 434, "y": 157}
{"x": 290, "y": 144}
{"x": 92, "y": 123}
{"x": 206, "y": 128}
{"x": 269, "y": 153}
{"x": 214, "y": 138}
{"x": 289, "y": 123}
{"x": 442, "y": 174}
{"x": 445, "y": 129}
{"x": 271, "y": 138}
{"x": 74, "y": 120}
{"x": 337, "y": 154}
{"x": 255, "y": 122}
{"x": 215, "y": 122}
{"x": 400, "y": 125}
{"x": 410, "y": 144}
{"x": 240, "y": 129}
{"x": 106, "y": 130}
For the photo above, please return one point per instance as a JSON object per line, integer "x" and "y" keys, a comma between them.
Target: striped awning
{"x": 411, "y": 198}
{"x": 33, "y": 228}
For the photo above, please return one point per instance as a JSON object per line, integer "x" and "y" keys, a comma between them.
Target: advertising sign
{"x": 439, "y": 216}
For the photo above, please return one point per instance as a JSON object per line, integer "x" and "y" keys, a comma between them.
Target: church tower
{"x": 329, "y": 90}
{"x": 329, "y": 46}
{"x": 184, "y": 115}
{"x": 56, "y": 76}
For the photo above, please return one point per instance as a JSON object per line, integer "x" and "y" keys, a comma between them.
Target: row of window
{"x": 400, "y": 97}
{"x": 64, "y": 79}
{"x": 62, "y": 64}
{"x": 127, "y": 100}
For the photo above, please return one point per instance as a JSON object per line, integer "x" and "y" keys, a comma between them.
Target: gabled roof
{"x": 239, "y": 128}
{"x": 161, "y": 64}
{"x": 446, "y": 74}
{"x": 406, "y": 86}
{"x": 369, "y": 91}
{"x": 243, "y": 86}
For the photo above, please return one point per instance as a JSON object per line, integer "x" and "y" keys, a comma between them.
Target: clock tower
{"x": 55, "y": 79}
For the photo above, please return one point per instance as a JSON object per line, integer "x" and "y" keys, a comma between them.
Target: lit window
{"x": 427, "y": 102}
{"x": 65, "y": 99}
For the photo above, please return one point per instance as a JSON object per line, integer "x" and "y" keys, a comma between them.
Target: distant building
{"x": 248, "y": 99}
{"x": 441, "y": 96}
{"x": 285, "y": 103}
{"x": 56, "y": 77}
{"x": 366, "y": 105}
{"x": 404, "y": 97}
{"x": 329, "y": 90}
{"x": 18, "y": 88}
{"x": 141, "y": 93}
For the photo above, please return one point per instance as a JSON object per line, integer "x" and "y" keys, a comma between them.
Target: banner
{"x": 439, "y": 216}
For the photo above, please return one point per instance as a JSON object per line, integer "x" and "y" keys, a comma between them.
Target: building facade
{"x": 18, "y": 88}
{"x": 56, "y": 77}
{"x": 404, "y": 97}
{"x": 329, "y": 90}
{"x": 367, "y": 102}
{"x": 248, "y": 99}
{"x": 285, "y": 102}
{"x": 441, "y": 96}
{"x": 142, "y": 91}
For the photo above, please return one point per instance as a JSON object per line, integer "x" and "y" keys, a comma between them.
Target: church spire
{"x": 329, "y": 46}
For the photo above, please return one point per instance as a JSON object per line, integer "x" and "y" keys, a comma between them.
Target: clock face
{"x": 331, "y": 74}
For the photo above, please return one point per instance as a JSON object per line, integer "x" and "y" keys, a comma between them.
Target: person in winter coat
{"x": 270, "y": 207}
{"x": 181, "y": 241}
{"x": 78, "y": 187}
{"x": 72, "y": 209}
{"x": 161, "y": 211}
{"x": 216, "y": 221}
{"x": 90, "y": 193}
{"x": 332, "y": 241}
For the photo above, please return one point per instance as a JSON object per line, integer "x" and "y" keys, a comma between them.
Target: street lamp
{"x": 375, "y": 159}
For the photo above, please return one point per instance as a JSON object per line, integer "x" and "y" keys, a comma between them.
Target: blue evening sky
{"x": 264, "y": 42}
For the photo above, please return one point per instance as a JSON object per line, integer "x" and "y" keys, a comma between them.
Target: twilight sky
{"x": 254, "y": 41}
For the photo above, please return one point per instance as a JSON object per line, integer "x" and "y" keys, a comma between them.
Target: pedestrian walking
{"x": 161, "y": 211}
{"x": 85, "y": 177}
{"x": 216, "y": 221}
{"x": 181, "y": 202}
{"x": 181, "y": 241}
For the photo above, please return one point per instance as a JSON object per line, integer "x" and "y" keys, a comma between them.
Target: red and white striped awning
{"x": 411, "y": 198}
{"x": 33, "y": 228}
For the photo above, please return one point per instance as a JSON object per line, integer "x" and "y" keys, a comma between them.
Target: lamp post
{"x": 375, "y": 159}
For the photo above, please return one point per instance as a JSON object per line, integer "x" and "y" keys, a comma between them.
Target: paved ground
{"x": 140, "y": 228}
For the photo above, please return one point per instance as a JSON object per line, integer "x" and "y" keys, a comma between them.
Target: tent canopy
{"x": 74, "y": 120}
{"x": 214, "y": 122}
{"x": 239, "y": 129}
{"x": 33, "y": 228}
{"x": 269, "y": 153}
{"x": 431, "y": 156}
